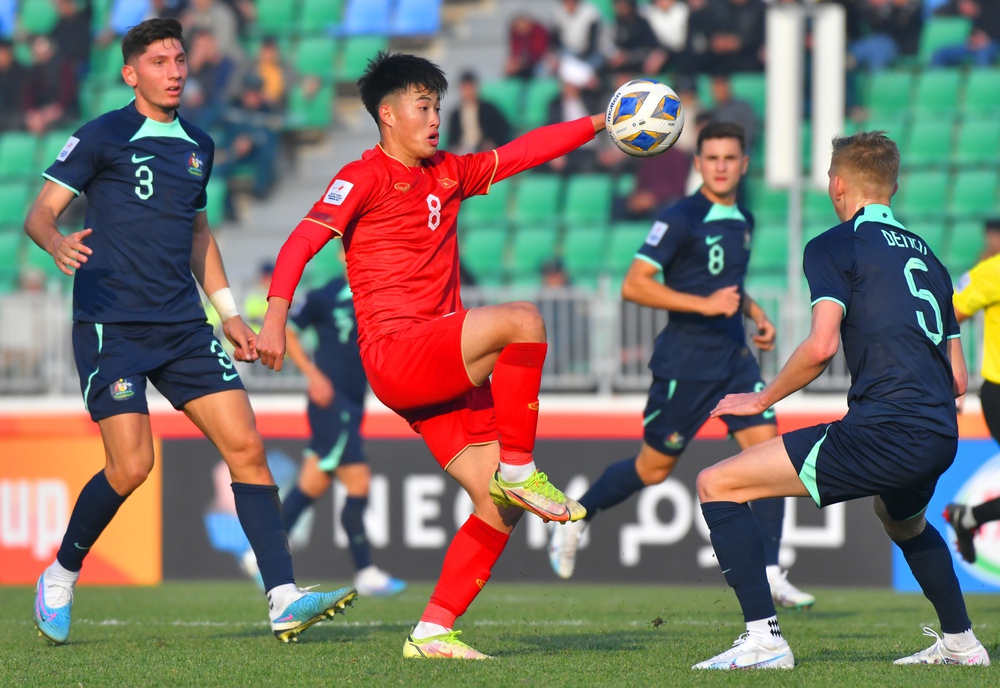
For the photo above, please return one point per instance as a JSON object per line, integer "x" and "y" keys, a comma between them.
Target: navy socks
{"x": 930, "y": 561}
{"x": 740, "y": 548}
{"x": 259, "y": 511}
{"x": 296, "y": 502}
{"x": 770, "y": 513}
{"x": 95, "y": 507}
{"x": 352, "y": 518}
{"x": 618, "y": 482}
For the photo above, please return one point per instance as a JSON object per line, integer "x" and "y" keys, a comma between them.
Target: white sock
{"x": 56, "y": 577}
{"x": 516, "y": 473}
{"x": 773, "y": 572}
{"x": 766, "y": 631}
{"x": 425, "y": 629}
{"x": 960, "y": 642}
{"x": 279, "y": 597}
{"x": 968, "y": 521}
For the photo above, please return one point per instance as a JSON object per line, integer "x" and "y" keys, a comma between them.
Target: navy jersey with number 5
{"x": 330, "y": 310}
{"x": 701, "y": 247}
{"x": 898, "y": 318}
{"x": 145, "y": 181}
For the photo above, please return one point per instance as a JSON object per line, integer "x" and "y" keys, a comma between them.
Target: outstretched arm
{"x": 68, "y": 251}
{"x": 641, "y": 286}
{"x": 541, "y": 145}
{"x": 806, "y": 364}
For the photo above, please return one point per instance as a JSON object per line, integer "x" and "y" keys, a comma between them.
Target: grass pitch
{"x": 214, "y": 634}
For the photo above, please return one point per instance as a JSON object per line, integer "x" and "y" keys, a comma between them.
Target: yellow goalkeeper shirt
{"x": 979, "y": 290}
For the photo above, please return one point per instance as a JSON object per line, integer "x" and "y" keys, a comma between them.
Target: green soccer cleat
{"x": 309, "y": 609}
{"x": 537, "y": 495}
{"x": 445, "y": 646}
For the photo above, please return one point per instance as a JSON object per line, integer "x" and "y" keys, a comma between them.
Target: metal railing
{"x": 597, "y": 342}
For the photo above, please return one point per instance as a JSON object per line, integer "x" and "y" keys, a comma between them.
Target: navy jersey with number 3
{"x": 898, "y": 318}
{"x": 701, "y": 247}
{"x": 145, "y": 181}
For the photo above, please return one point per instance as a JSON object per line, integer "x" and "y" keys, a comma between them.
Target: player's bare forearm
{"x": 68, "y": 251}
{"x": 206, "y": 260}
{"x": 641, "y": 286}
{"x": 959, "y": 370}
{"x": 541, "y": 145}
{"x": 271, "y": 338}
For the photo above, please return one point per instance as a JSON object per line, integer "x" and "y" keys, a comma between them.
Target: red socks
{"x": 467, "y": 566}
{"x": 517, "y": 377}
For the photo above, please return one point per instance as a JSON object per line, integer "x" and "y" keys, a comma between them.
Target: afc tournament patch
{"x": 656, "y": 233}
{"x": 68, "y": 148}
{"x": 337, "y": 192}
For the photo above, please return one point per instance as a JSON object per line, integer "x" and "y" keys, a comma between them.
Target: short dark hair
{"x": 141, "y": 36}
{"x": 722, "y": 130}
{"x": 387, "y": 74}
{"x": 992, "y": 224}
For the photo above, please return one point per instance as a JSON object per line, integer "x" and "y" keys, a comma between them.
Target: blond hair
{"x": 868, "y": 158}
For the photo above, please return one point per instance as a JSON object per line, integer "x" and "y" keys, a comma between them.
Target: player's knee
{"x": 898, "y": 531}
{"x": 653, "y": 474}
{"x": 128, "y": 477}
{"x": 708, "y": 485}
{"x": 526, "y": 322}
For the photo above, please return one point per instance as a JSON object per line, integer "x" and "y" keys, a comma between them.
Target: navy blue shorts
{"x": 899, "y": 463}
{"x": 336, "y": 434}
{"x": 184, "y": 361}
{"x": 676, "y": 409}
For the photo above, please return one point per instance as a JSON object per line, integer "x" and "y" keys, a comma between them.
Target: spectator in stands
{"x": 728, "y": 108}
{"x": 279, "y": 76}
{"x": 528, "y": 42}
{"x": 12, "y": 75}
{"x": 669, "y": 21}
{"x": 72, "y": 33}
{"x": 894, "y": 29}
{"x": 579, "y": 31}
{"x": 660, "y": 181}
{"x": 220, "y": 19}
{"x": 577, "y": 96}
{"x": 983, "y": 44}
{"x": 212, "y": 80}
{"x": 50, "y": 89}
{"x": 695, "y": 58}
{"x": 737, "y": 36}
{"x": 636, "y": 50}
{"x": 476, "y": 124}
{"x": 250, "y": 135}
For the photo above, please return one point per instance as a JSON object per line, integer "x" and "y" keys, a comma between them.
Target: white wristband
{"x": 224, "y": 304}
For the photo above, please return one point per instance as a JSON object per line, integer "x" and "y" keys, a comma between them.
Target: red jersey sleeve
{"x": 530, "y": 150}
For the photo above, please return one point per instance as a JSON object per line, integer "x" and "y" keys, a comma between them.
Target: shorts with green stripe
{"x": 900, "y": 463}
{"x": 336, "y": 434}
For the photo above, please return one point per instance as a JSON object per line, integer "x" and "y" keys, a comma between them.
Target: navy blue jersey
{"x": 144, "y": 181}
{"x": 330, "y": 310}
{"x": 701, "y": 247}
{"x": 898, "y": 318}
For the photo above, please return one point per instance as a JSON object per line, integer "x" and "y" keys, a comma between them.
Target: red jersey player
{"x": 426, "y": 357}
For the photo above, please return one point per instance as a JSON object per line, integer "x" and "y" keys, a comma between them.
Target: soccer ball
{"x": 644, "y": 117}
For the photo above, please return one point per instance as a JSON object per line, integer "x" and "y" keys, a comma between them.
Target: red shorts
{"x": 420, "y": 373}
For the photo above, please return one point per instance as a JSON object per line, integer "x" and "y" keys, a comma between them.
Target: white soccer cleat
{"x": 747, "y": 653}
{"x": 563, "y": 546}
{"x": 372, "y": 581}
{"x": 784, "y": 593}
{"x": 939, "y": 654}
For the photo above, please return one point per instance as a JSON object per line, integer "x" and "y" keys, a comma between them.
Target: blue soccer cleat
{"x": 372, "y": 581}
{"x": 53, "y": 622}
{"x": 309, "y": 609}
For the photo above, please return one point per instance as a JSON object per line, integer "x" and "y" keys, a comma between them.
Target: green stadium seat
{"x": 941, "y": 31}
{"x": 889, "y": 92}
{"x": 310, "y": 113}
{"x": 978, "y": 141}
{"x": 274, "y": 17}
{"x": 769, "y": 252}
{"x": 318, "y": 16}
{"x": 926, "y": 147}
{"x": 490, "y": 209}
{"x": 482, "y": 252}
{"x": 113, "y": 98}
{"x": 923, "y": 194}
{"x": 37, "y": 16}
{"x": 16, "y": 197}
{"x": 216, "y": 208}
{"x": 507, "y": 95}
{"x": 768, "y": 205}
{"x": 817, "y": 210}
{"x": 981, "y": 92}
{"x": 324, "y": 266}
{"x": 965, "y": 244}
{"x": 897, "y": 125}
{"x": 540, "y": 93}
{"x": 624, "y": 242}
{"x": 356, "y": 53}
{"x": 588, "y": 199}
{"x": 314, "y": 56}
{"x": 12, "y": 242}
{"x": 532, "y": 246}
{"x": 538, "y": 197}
{"x": 606, "y": 8}
{"x": 584, "y": 250}
{"x": 751, "y": 87}
{"x": 18, "y": 154}
{"x": 937, "y": 91}
{"x": 625, "y": 184}
{"x": 933, "y": 232}
{"x": 974, "y": 193}
{"x": 105, "y": 65}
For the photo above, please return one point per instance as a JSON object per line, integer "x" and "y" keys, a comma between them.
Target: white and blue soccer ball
{"x": 644, "y": 117}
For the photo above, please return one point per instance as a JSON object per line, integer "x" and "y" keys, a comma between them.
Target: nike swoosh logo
{"x": 138, "y": 160}
{"x": 77, "y": 545}
{"x": 230, "y": 376}
{"x": 713, "y": 239}
{"x": 285, "y": 618}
